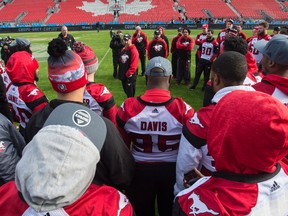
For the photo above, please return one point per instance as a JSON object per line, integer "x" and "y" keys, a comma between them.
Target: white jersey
{"x": 257, "y": 55}
{"x": 154, "y": 129}
{"x": 156, "y": 134}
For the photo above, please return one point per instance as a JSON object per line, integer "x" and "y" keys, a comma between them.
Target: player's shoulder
{"x": 30, "y": 91}
{"x": 130, "y": 102}
{"x": 201, "y": 119}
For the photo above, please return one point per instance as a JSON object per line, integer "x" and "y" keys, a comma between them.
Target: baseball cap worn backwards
{"x": 159, "y": 63}
{"x": 20, "y": 42}
{"x": 81, "y": 118}
{"x": 126, "y": 37}
{"x": 60, "y": 162}
{"x": 157, "y": 32}
{"x": 275, "y": 49}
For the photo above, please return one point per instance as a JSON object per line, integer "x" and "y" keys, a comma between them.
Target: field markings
{"x": 104, "y": 56}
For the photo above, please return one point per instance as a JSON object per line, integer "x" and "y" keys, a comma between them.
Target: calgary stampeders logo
{"x": 199, "y": 207}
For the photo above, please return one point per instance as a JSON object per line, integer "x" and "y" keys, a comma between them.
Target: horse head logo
{"x": 199, "y": 207}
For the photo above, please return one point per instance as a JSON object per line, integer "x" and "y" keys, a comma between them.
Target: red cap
{"x": 204, "y": 26}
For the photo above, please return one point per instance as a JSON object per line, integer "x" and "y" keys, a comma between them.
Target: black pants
{"x": 142, "y": 57}
{"x": 196, "y": 61}
{"x": 129, "y": 85}
{"x": 174, "y": 64}
{"x": 203, "y": 65}
{"x": 183, "y": 70}
{"x": 153, "y": 182}
{"x": 115, "y": 65}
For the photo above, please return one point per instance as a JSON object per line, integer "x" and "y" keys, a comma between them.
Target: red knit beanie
{"x": 66, "y": 72}
{"x": 88, "y": 56}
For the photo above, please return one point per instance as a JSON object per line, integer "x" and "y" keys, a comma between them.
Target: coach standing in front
{"x": 128, "y": 67}
{"x": 67, "y": 38}
{"x": 139, "y": 38}
{"x": 184, "y": 45}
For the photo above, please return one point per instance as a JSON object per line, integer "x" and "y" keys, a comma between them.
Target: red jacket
{"x": 96, "y": 201}
{"x": 128, "y": 61}
{"x": 157, "y": 47}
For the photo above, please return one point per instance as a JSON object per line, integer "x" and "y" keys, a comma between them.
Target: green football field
{"x": 99, "y": 41}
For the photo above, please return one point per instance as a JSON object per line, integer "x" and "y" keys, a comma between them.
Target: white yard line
{"x": 104, "y": 56}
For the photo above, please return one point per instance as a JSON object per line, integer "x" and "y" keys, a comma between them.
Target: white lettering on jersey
{"x": 33, "y": 92}
{"x": 123, "y": 201}
{"x": 105, "y": 91}
{"x": 195, "y": 120}
{"x": 2, "y": 146}
{"x": 198, "y": 207}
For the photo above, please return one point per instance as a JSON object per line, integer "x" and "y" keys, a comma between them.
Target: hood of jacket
{"x": 21, "y": 67}
{"x": 248, "y": 133}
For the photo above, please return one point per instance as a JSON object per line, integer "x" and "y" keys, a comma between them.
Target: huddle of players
{"x": 194, "y": 120}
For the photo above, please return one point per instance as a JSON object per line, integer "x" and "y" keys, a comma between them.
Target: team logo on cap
{"x": 157, "y": 64}
{"x": 62, "y": 87}
{"x": 81, "y": 118}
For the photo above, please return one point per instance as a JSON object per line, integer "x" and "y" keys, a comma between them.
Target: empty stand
{"x": 218, "y": 8}
{"x": 32, "y": 10}
{"x": 252, "y": 9}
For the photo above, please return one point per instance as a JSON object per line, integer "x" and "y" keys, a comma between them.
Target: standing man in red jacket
{"x": 184, "y": 45}
{"x": 140, "y": 40}
{"x": 174, "y": 51}
{"x": 157, "y": 46}
{"x": 128, "y": 67}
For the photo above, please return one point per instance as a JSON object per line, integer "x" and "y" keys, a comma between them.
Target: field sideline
{"x": 99, "y": 41}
